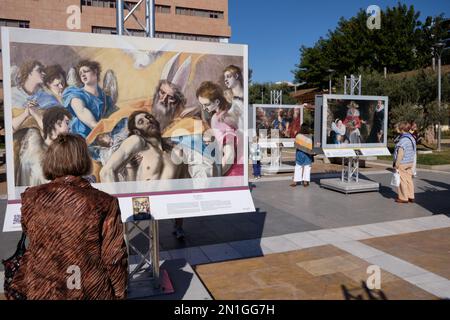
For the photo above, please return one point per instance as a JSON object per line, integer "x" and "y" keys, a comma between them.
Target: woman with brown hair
{"x": 76, "y": 246}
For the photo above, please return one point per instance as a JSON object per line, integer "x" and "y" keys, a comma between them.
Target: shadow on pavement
{"x": 202, "y": 231}
{"x": 181, "y": 279}
{"x": 435, "y": 199}
{"x": 363, "y": 293}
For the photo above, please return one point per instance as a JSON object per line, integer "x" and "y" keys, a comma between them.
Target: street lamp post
{"x": 330, "y": 71}
{"x": 295, "y": 85}
{"x": 439, "y": 48}
{"x": 439, "y": 101}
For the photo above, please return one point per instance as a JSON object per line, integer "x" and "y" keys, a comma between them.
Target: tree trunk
{"x": 429, "y": 136}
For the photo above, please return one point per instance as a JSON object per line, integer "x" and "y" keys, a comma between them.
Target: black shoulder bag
{"x": 11, "y": 265}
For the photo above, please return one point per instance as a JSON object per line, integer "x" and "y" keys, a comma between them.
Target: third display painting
{"x": 354, "y": 121}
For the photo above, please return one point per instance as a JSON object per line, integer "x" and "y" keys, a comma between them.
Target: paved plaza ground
{"x": 311, "y": 243}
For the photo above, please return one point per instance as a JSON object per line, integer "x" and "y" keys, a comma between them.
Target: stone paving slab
{"x": 313, "y": 273}
{"x": 345, "y": 267}
{"x": 353, "y": 233}
{"x": 249, "y": 248}
{"x": 193, "y": 255}
{"x": 359, "y": 249}
{"x": 329, "y": 236}
{"x": 185, "y": 282}
{"x": 396, "y": 266}
{"x": 429, "y": 250}
{"x": 220, "y": 252}
{"x": 304, "y": 240}
{"x": 278, "y": 244}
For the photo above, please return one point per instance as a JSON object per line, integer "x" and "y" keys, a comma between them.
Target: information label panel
{"x": 339, "y": 153}
{"x": 201, "y": 204}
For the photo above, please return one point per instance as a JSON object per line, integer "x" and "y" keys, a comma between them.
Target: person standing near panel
{"x": 303, "y": 162}
{"x": 255, "y": 152}
{"x": 376, "y": 133}
{"x": 404, "y": 155}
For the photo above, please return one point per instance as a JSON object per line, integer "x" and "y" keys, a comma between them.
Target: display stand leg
{"x": 144, "y": 282}
{"x": 349, "y": 181}
{"x": 357, "y": 169}
{"x": 154, "y": 243}
{"x": 349, "y": 170}
{"x": 145, "y": 257}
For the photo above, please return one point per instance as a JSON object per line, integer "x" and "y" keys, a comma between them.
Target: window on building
{"x": 105, "y": 3}
{"x": 162, "y": 9}
{"x": 109, "y": 30}
{"x": 199, "y": 13}
{"x": 165, "y": 35}
{"x": 186, "y": 36}
{"x": 14, "y": 23}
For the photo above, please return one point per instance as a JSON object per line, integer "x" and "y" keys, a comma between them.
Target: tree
{"x": 412, "y": 97}
{"x": 403, "y": 43}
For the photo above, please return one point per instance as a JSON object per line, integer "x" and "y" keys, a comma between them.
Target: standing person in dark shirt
{"x": 376, "y": 133}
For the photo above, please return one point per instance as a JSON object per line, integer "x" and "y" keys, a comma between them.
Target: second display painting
{"x": 277, "y": 121}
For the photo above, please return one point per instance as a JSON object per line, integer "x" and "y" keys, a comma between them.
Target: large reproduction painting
{"x": 158, "y": 115}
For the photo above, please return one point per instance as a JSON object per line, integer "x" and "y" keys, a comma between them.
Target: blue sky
{"x": 275, "y": 30}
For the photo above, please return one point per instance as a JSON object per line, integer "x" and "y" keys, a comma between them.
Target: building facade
{"x": 202, "y": 20}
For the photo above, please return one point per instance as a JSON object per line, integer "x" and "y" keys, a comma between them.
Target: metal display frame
{"x": 350, "y": 172}
{"x": 349, "y": 181}
{"x": 151, "y": 257}
{"x": 276, "y": 157}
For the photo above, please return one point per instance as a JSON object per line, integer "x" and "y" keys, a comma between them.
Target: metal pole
{"x": 150, "y": 18}
{"x": 349, "y": 173}
{"x": 119, "y": 17}
{"x": 131, "y": 12}
{"x": 154, "y": 227}
{"x": 329, "y": 86}
{"x": 357, "y": 169}
{"x": 345, "y": 84}
{"x": 439, "y": 102}
{"x": 360, "y": 84}
{"x": 155, "y": 251}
